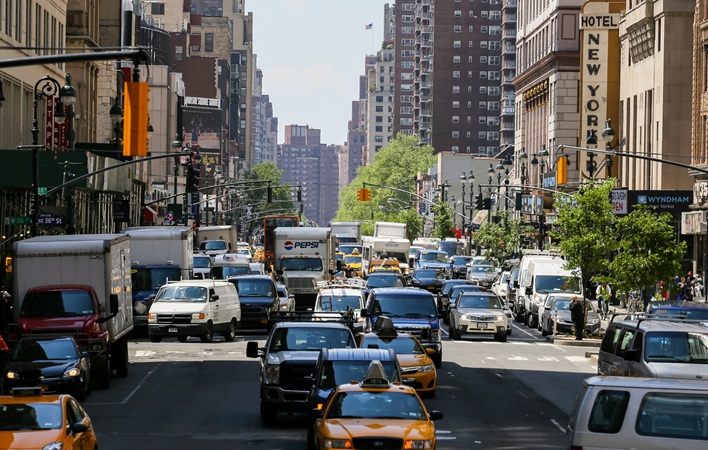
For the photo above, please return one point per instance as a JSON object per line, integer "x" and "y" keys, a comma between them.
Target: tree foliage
{"x": 395, "y": 165}
{"x": 585, "y": 228}
{"x": 443, "y": 221}
{"x": 648, "y": 251}
{"x": 501, "y": 240}
{"x": 255, "y": 196}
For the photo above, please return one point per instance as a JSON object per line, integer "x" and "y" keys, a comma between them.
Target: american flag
{"x": 368, "y": 26}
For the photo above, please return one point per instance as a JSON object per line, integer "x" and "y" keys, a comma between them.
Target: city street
{"x": 509, "y": 395}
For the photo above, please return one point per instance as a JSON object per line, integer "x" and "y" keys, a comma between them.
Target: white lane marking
{"x": 133, "y": 392}
{"x": 144, "y": 353}
{"x": 491, "y": 358}
{"x": 558, "y": 426}
{"x": 527, "y": 333}
{"x": 517, "y": 358}
{"x": 523, "y": 394}
{"x": 547, "y": 358}
{"x": 175, "y": 352}
{"x": 577, "y": 358}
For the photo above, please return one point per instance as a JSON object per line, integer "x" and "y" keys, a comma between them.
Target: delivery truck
{"x": 158, "y": 254}
{"x": 304, "y": 256}
{"x": 216, "y": 239}
{"x": 77, "y": 285}
{"x": 346, "y": 232}
{"x": 390, "y": 229}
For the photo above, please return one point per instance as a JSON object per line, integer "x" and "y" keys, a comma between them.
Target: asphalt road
{"x": 513, "y": 395}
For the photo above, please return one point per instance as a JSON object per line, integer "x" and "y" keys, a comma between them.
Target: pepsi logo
{"x": 289, "y": 245}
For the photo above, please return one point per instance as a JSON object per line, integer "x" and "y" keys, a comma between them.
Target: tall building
{"x": 308, "y": 163}
{"x": 404, "y": 49}
{"x": 264, "y": 127}
{"x": 508, "y": 68}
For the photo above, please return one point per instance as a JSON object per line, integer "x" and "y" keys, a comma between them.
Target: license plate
{"x": 431, "y": 288}
{"x": 481, "y": 326}
{"x": 172, "y": 330}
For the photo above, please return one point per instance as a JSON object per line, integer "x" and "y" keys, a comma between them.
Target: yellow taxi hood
{"x": 409, "y": 360}
{"x": 408, "y": 429}
{"x": 33, "y": 439}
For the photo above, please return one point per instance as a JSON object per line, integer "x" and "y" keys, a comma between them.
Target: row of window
{"x": 489, "y": 106}
{"x": 491, "y": 15}
{"x": 32, "y": 26}
{"x": 490, "y": 75}
{"x": 482, "y": 120}
{"x": 486, "y": 135}
{"x": 491, "y": 60}
{"x": 484, "y": 29}
{"x": 491, "y": 45}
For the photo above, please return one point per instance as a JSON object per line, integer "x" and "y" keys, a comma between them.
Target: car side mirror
{"x": 79, "y": 427}
{"x": 430, "y": 351}
{"x": 435, "y": 415}
{"x": 214, "y": 298}
{"x": 631, "y": 354}
{"x": 528, "y": 290}
{"x": 252, "y": 350}
{"x": 364, "y": 313}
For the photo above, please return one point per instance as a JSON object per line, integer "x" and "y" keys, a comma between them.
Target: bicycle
{"x": 603, "y": 306}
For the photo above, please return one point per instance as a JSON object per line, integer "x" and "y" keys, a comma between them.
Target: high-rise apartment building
{"x": 264, "y": 127}
{"x": 313, "y": 166}
{"x": 404, "y": 58}
{"x": 508, "y": 69}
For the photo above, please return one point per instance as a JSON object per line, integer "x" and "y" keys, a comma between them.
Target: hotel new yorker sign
{"x": 599, "y": 71}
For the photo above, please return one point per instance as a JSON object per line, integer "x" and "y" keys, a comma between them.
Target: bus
{"x": 270, "y": 223}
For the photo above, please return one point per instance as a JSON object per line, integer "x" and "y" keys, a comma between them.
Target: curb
{"x": 571, "y": 342}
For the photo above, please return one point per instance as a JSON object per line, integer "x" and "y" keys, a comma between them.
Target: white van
{"x": 639, "y": 413}
{"x": 540, "y": 275}
{"x": 230, "y": 265}
{"x": 195, "y": 308}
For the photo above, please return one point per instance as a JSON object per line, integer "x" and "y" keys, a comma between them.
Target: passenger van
{"x": 661, "y": 348}
{"x": 195, "y": 308}
{"x": 639, "y": 413}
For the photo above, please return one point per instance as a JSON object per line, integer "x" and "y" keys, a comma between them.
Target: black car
{"x": 55, "y": 364}
{"x": 258, "y": 296}
{"x": 459, "y": 265}
{"x": 428, "y": 279}
{"x": 443, "y": 294}
{"x": 343, "y": 365}
{"x": 452, "y": 295}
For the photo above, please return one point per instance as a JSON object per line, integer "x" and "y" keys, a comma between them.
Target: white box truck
{"x": 346, "y": 232}
{"x": 77, "y": 285}
{"x": 304, "y": 256}
{"x": 158, "y": 254}
{"x": 216, "y": 239}
{"x": 390, "y": 247}
{"x": 390, "y": 229}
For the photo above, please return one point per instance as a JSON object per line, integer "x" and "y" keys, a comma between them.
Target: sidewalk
{"x": 588, "y": 341}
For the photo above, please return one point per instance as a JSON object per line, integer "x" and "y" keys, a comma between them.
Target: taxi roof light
{"x": 384, "y": 327}
{"x": 375, "y": 375}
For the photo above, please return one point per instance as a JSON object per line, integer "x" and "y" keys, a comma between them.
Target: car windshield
{"x": 676, "y": 346}
{"x": 463, "y": 288}
{"x": 348, "y": 249}
{"x": 301, "y": 264}
{"x": 557, "y": 283}
{"x": 253, "y": 288}
{"x": 461, "y": 260}
{"x": 223, "y": 272}
{"x": 376, "y": 405}
{"x": 478, "y": 301}
{"x": 310, "y": 338}
{"x": 434, "y": 257}
{"x": 339, "y": 372}
{"x": 351, "y": 259}
{"x": 197, "y": 294}
{"x": 451, "y": 248}
{"x": 45, "y": 350}
{"x": 483, "y": 269}
{"x": 202, "y": 262}
{"x": 426, "y": 273}
{"x": 57, "y": 304}
{"x": 145, "y": 279}
{"x": 402, "y": 345}
{"x": 375, "y": 281}
{"x": 212, "y": 245}
{"x": 338, "y": 303}
{"x": 402, "y": 305}
{"x": 690, "y": 314}
{"x": 24, "y": 417}
{"x": 561, "y": 304}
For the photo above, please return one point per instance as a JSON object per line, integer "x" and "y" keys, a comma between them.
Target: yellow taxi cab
{"x": 386, "y": 264}
{"x": 352, "y": 263}
{"x": 29, "y": 419}
{"x": 417, "y": 368}
{"x": 374, "y": 413}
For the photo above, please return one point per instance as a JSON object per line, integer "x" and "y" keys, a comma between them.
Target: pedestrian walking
{"x": 577, "y": 315}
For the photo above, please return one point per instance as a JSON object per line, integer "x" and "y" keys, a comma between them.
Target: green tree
{"x": 443, "y": 221}
{"x": 254, "y": 196}
{"x": 648, "y": 251}
{"x": 395, "y": 165}
{"x": 502, "y": 239}
{"x": 585, "y": 229}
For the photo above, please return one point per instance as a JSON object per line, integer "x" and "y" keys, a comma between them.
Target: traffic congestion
{"x": 367, "y": 356}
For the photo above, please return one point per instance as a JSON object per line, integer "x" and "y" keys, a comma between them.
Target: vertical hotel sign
{"x": 599, "y": 72}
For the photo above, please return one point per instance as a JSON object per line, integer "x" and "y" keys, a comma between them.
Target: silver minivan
{"x": 639, "y": 413}
{"x": 662, "y": 348}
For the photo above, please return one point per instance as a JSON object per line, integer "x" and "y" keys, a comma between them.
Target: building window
{"x": 378, "y": 138}
{"x": 455, "y": 134}
{"x": 406, "y": 53}
{"x": 482, "y": 135}
{"x": 494, "y": 60}
{"x": 483, "y": 44}
{"x": 406, "y": 64}
{"x": 157, "y": 9}
{"x": 455, "y": 104}
{"x": 483, "y": 60}
{"x": 456, "y": 89}
{"x": 209, "y": 42}
{"x": 470, "y": 29}
{"x": 482, "y": 120}
{"x": 455, "y": 74}
{"x": 379, "y": 108}
{"x": 457, "y": 29}
{"x": 179, "y": 51}
{"x": 407, "y": 19}
{"x": 379, "y": 119}
{"x": 457, "y": 44}
{"x": 406, "y": 110}
{"x": 407, "y": 30}
{"x": 407, "y": 7}
{"x": 470, "y": 44}
{"x": 469, "y": 119}
{"x": 494, "y": 45}
{"x": 483, "y": 74}
{"x": 455, "y": 119}
{"x": 379, "y": 128}
{"x": 482, "y": 105}
{"x": 484, "y": 29}
{"x": 456, "y": 59}
{"x": 483, "y": 89}
{"x": 457, "y": 13}
{"x": 493, "y": 75}
{"x": 495, "y": 31}
{"x": 407, "y": 42}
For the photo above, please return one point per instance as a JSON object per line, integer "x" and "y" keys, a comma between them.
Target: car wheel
{"x": 518, "y": 316}
{"x": 230, "y": 334}
{"x": 80, "y": 391}
{"x": 182, "y": 338}
{"x": 538, "y": 324}
{"x": 543, "y": 331}
{"x": 119, "y": 358}
{"x": 457, "y": 333}
{"x": 154, "y": 338}
{"x": 267, "y": 415}
{"x": 437, "y": 359}
{"x": 208, "y": 335}
{"x": 508, "y": 331}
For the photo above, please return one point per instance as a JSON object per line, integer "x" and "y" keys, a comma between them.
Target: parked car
{"x": 482, "y": 273}
{"x": 500, "y": 285}
{"x": 54, "y": 363}
{"x": 555, "y": 317}
{"x": 479, "y": 313}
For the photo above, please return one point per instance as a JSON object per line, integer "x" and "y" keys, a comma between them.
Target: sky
{"x": 312, "y": 54}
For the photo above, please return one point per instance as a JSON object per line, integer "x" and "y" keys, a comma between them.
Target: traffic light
{"x": 488, "y": 203}
{"x": 192, "y": 178}
{"x": 478, "y": 202}
{"x": 518, "y": 201}
{"x": 363, "y": 195}
{"x": 135, "y": 119}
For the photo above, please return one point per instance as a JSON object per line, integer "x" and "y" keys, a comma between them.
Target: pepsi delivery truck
{"x": 304, "y": 256}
